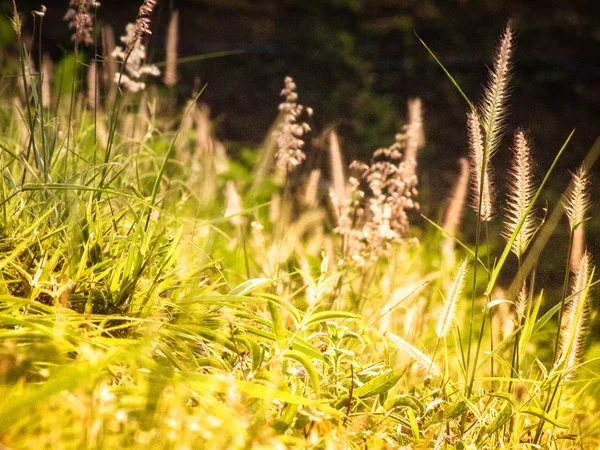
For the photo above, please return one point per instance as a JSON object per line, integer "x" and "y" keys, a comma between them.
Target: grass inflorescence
{"x": 155, "y": 292}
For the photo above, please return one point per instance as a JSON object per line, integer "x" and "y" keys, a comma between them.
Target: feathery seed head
{"x": 494, "y": 102}
{"x": 233, "y": 204}
{"x": 337, "y": 166}
{"x": 414, "y": 137}
{"x": 520, "y": 194}
{"x": 578, "y": 200}
{"x": 142, "y": 23}
{"x": 575, "y": 316}
{"x": 449, "y": 311}
{"x": 456, "y": 206}
{"x": 415, "y": 354}
{"x": 311, "y": 192}
{"x": 484, "y": 192}
{"x": 578, "y": 246}
{"x": 92, "y": 85}
{"x": 521, "y": 304}
{"x": 16, "y": 21}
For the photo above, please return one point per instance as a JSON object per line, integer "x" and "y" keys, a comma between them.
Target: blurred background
{"x": 356, "y": 62}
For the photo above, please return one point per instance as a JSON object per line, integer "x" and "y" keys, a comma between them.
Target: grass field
{"x": 157, "y": 293}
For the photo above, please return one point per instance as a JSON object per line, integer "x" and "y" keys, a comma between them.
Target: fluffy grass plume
{"x": 521, "y": 190}
{"x": 413, "y": 353}
{"x": 477, "y": 158}
{"x": 455, "y": 209}
{"x": 493, "y": 107}
{"x": 336, "y": 161}
{"x": 92, "y": 85}
{"x": 573, "y": 331}
{"x": 577, "y": 201}
{"x": 448, "y": 312}
{"x": 578, "y": 246}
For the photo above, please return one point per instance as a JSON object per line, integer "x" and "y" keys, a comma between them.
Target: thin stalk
{"x": 564, "y": 293}
{"x": 487, "y": 238}
{"x": 23, "y": 56}
{"x": 41, "y": 106}
{"x": 72, "y": 104}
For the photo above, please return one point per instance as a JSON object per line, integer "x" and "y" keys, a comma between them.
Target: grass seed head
{"x": 520, "y": 194}
{"x": 493, "y": 106}
{"x": 80, "y": 17}
{"x": 476, "y": 154}
{"x": 449, "y": 310}
{"x": 577, "y": 201}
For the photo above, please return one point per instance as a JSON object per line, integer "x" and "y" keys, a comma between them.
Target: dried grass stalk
{"x": 170, "y": 78}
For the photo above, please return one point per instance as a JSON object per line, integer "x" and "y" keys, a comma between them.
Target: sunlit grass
{"x": 156, "y": 294}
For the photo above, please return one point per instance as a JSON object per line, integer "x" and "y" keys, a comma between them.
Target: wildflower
{"x": 81, "y": 19}
{"x": 372, "y": 224}
{"x": 133, "y": 57}
{"x": 290, "y": 131}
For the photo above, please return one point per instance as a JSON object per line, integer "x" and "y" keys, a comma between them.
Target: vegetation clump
{"x": 155, "y": 292}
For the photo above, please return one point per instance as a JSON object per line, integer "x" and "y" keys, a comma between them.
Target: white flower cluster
{"x": 290, "y": 131}
{"x": 371, "y": 224}
{"x": 135, "y": 69}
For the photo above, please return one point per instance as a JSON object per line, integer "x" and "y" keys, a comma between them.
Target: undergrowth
{"x": 155, "y": 293}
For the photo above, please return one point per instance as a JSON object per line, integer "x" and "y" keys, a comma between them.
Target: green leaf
{"x": 541, "y": 414}
{"x": 308, "y": 366}
{"x": 407, "y": 400}
{"x": 329, "y": 315}
{"x": 503, "y": 416}
{"x": 380, "y": 384}
{"x": 249, "y": 285}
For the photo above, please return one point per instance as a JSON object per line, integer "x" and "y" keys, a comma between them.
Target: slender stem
{"x": 41, "y": 106}
{"x": 71, "y": 104}
{"x": 550, "y": 399}
{"x": 564, "y": 293}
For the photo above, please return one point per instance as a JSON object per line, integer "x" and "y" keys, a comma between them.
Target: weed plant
{"x": 155, "y": 294}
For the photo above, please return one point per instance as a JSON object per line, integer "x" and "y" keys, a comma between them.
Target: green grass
{"x": 137, "y": 311}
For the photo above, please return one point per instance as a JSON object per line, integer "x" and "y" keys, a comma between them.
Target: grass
{"x": 144, "y": 302}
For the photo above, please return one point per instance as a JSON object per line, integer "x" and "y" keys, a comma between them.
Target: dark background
{"x": 356, "y": 62}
